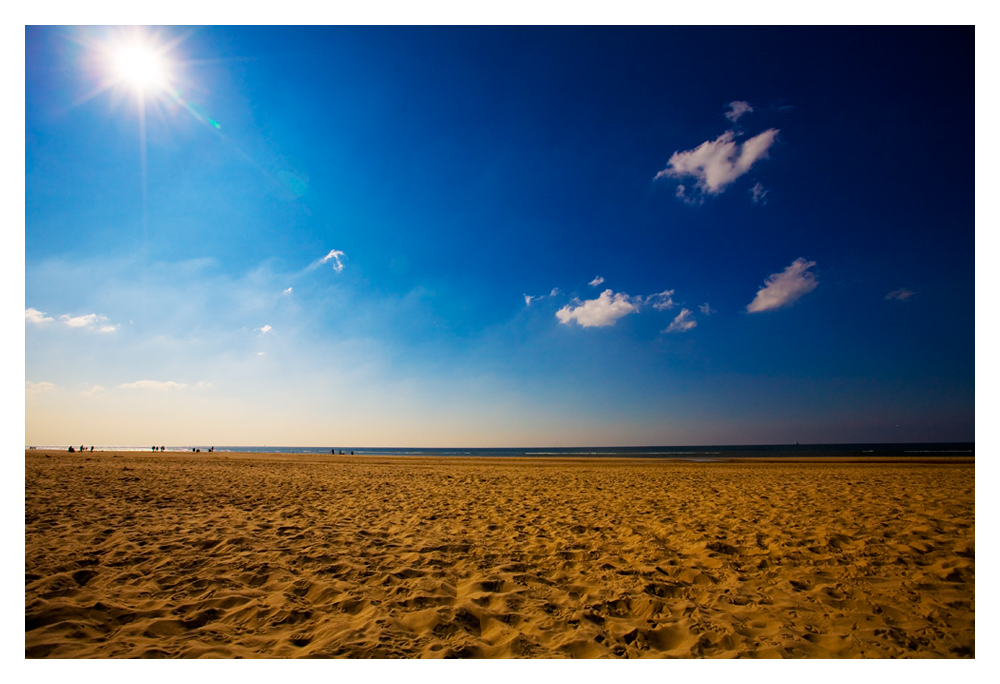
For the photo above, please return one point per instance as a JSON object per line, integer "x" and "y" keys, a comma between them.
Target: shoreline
{"x": 320, "y": 457}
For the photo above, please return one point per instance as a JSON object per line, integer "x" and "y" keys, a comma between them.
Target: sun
{"x": 140, "y": 66}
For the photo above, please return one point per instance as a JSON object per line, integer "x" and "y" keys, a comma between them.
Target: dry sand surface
{"x": 172, "y": 555}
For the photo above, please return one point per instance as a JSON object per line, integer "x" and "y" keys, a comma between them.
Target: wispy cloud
{"x": 661, "y": 301}
{"x": 758, "y": 194}
{"x": 682, "y": 323}
{"x": 600, "y": 312}
{"x": 900, "y": 294}
{"x": 264, "y": 329}
{"x": 596, "y": 281}
{"x": 33, "y": 315}
{"x": 92, "y": 392}
{"x": 737, "y": 108}
{"x": 715, "y": 164}
{"x": 706, "y": 309}
{"x": 37, "y": 387}
{"x": 782, "y": 289}
{"x": 89, "y": 321}
{"x": 335, "y": 256}
{"x": 528, "y": 299}
{"x": 287, "y": 292}
{"x": 153, "y": 385}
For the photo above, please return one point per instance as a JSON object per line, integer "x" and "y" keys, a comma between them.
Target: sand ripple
{"x": 184, "y": 556}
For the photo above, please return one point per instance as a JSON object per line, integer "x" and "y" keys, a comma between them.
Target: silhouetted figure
{"x": 333, "y": 451}
{"x": 91, "y": 449}
{"x": 81, "y": 447}
{"x": 162, "y": 448}
{"x": 72, "y": 450}
{"x": 352, "y": 453}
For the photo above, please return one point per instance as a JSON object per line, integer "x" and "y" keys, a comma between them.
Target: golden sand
{"x": 172, "y": 555}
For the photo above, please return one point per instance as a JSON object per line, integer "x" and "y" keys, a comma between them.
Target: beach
{"x": 271, "y": 556}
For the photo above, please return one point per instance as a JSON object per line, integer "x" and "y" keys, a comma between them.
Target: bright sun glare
{"x": 140, "y": 66}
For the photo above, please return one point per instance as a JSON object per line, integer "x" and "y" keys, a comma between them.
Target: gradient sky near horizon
{"x": 525, "y": 236}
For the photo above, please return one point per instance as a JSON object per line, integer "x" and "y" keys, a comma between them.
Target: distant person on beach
{"x": 92, "y": 448}
{"x": 72, "y": 450}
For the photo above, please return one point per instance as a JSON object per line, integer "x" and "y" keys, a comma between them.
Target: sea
{"x": 692, "y": 453}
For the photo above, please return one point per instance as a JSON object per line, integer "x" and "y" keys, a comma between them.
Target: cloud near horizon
{"x": 33, "y": 315}
{"x": 901, "y": 294}
{"x": 154, "y": 385}
{"x": 89, "y": 321}
{"x": 783, "y": 289}
{"x": 37, "y": 387}
{"x": 682, "y": 323}
{"x": 715, "y": 164}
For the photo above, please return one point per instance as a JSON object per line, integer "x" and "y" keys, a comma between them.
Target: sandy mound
{"x": 200, "y": 556}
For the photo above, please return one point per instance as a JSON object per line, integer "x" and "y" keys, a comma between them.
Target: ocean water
{"x": 694, "y": 453}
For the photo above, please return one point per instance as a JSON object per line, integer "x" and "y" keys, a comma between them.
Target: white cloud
{"x": 287, "y": 292}
{"x": 900, "y": 294}
{"x": 682, "y": 323}
{"x": 716, "y": 163}
{"x": 706, "y": 309}
{"x": 596, "y": 281}
{"x": 662, "y": 300}
{"x": 33, "y": 315}
{"x": 88, "y": 321}
{"x": 600, "y": 312}
{"x": 738, "y": 108}
{"x": 92, "y": 392}
{"x": 781, "y": 289}
{"x": 758, "y": 193}
{"x": 204, "y": 385}
{"x": 79, "y": 321}
{"x": 334, "y": 254}
{"x": 37, "y": 387}
{"x": 154, "y": 385}
{"x": 265, "y": 329}
{"x": 527, "y": 300}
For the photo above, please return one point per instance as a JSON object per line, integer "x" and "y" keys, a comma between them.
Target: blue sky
{"x": 500, "y": 236}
